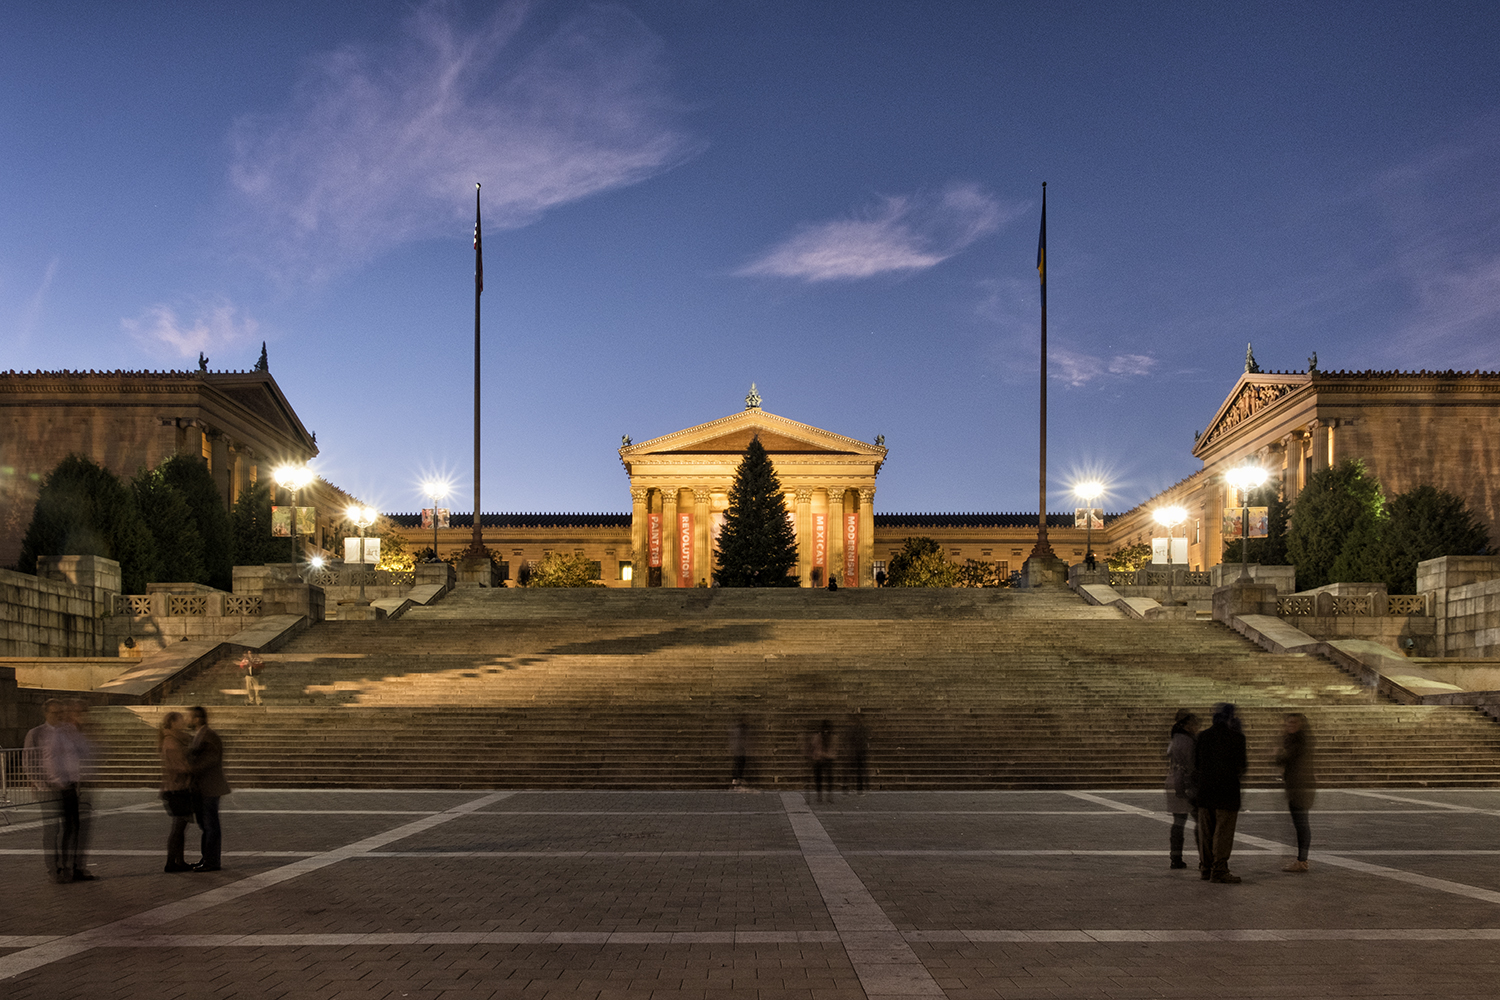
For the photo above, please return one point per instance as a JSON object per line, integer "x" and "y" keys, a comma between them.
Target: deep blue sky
{"x": 837, "y": 201}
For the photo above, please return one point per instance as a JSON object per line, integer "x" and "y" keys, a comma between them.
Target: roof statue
{"x": 1251, "y": 368}
{"x": 752, "y": 398}
{"x": 624, "y": 440}
{"x": 880, "y": 440}
{"x": 1312, "y": 363}
{"x": 202, "y": 362}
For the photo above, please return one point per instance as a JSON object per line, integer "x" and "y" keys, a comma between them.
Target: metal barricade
{"x": 16, "y": 787}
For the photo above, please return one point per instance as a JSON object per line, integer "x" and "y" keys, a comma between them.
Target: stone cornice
{"x": 793, "y": 429}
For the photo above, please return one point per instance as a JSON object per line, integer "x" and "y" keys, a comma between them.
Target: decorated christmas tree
{"x": 757, "y": 546}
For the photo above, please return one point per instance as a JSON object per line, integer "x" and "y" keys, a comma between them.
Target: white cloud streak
{"x": 381, "y": 146}
{"x": 217, "y": 325}
{"x": 33, "y": 312}
{"x": 899, "y": 234}
{"x": 1076, "y": 369}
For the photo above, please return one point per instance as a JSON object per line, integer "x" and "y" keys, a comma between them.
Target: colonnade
{"x": 673, "y": 530}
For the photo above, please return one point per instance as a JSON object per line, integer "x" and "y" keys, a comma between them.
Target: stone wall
{"x": 52, "y": 617}
{"x": 1463, "y": 594}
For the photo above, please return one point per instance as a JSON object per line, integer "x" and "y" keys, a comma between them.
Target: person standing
{"x": 739, "y": 752}
{"x": 1179, "y": 775}
{"x": 820, "y": 754}
{"x": 1299, "y": 782}
{"x": 1219, "y": 761}
{"x": 206, "y": 761}
{"x": 859, "y": 751}
{"x": 176, "y": 792}
{"x": 56, "y": 771}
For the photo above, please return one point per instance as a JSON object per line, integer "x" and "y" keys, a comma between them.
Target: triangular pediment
{"x": 258, "y": 393}
{"x": 1253, "y": 394}
{"x": 731, "y": 434}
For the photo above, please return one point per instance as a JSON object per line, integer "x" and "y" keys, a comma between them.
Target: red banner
{"x": 685, "y": 550}
{"x": 851, "y": 550}
{"x": 820, "y": 541}
{"x": 653, "y": 540}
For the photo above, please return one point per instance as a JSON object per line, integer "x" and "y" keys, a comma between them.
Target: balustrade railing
{"x": 1357, "y": 606}
{"x": 1294, "y": 607}
{"x": 1408, "y": 605}
{"x": 366, "y": 577}
{"x": 249, "y": 604}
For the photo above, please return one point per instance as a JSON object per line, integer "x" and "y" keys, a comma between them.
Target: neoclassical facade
{"x": 1409, "y": 429}
{"x": 679, "y": 491}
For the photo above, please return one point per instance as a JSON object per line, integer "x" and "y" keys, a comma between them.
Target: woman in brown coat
{"x": 1296, "y": 760}
{"x": 172, "y": 742}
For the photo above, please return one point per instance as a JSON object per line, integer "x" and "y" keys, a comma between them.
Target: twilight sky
{"x": 836, "y": 200}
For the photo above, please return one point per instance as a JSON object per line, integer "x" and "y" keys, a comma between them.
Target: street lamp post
{"x": 1245, "y": 478}
{"x": 293, "y": 479}
{"x": 1088, "y": 492}
{"x": 437, "y": 491}
{"x": 364, "y": 517}
{"x": 1170, "y": 518}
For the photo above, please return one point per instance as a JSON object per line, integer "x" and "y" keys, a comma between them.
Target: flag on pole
{"x": 1041, "y": 241}
{"x": 478, "y": 252}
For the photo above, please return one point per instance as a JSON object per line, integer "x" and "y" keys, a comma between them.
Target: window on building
{"x": 879, "y": 565}
{"x": 596, "y": 570}
{"x": 627, "y": 571}
{"x": 208, "y": 453}
{"x": 504, "y": 570}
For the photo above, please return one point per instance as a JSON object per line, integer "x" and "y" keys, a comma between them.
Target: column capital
{"x": 639, "y": 495}
{"x": 866, "y": 494}
{"x": 804, "y": 494}
{"x": 701, "y": 495}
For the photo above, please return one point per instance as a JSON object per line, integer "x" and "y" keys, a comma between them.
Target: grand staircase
{"x": 638, "y": 689}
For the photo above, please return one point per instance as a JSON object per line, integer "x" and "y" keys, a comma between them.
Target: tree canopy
{"x": 559, "y": 569}
{"x": 921, "y": 563}
{"x": 191, "y": 478}
{"x": 1339, "y": 504}
{"x": 83, "y": 510}
{"x": 1271, "y": 550}
{"x": 757, "y": 545}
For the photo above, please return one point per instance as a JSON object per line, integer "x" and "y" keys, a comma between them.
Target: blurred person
{"x": 45, "y": 765}
{"x": 206, "y": 762}
{"x": 1180, "y": 746}
{"x": 1298, "y": 781}
{"x": 739, "y": 750}
{"x": 859, "y": 750}
{"x": 83, "y": 751}
{"x": 172, "y": 743}
{"x": 820, "y": 752}
{"x": 1219, "y": 761}
{"x": 833, "y": 582}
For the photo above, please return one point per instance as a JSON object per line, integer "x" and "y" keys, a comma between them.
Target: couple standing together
{"x": 192, "y": 782}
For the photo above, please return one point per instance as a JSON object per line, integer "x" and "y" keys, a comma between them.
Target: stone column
{"x": 640, "y": 572}
{"x": 1318, "y": 440}
{"x": 866, "y": 535}
{"x": 836, "y": 531}
{"x": 702, "y": 558}
{"x": 804, "y": 536}
{"x": 669, "y": 543}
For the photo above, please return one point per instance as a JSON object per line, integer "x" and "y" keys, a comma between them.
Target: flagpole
{"x": 477, "y": 547}
{"x": 1043, "y": 549}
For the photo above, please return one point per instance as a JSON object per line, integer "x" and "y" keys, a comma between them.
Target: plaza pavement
{"x": 457, "y": 895}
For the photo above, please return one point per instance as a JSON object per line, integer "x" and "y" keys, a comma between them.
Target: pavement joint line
{"x": 36, "y": 824}
{"x": 1437, "y": 806}
{"x": 134, "y": 926}
{"x": 1333, "y": 859}
{"x": 880, "y": 956}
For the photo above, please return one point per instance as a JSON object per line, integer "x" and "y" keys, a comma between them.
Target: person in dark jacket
{"x": 1219, "y": 761}
{"x": 1296, "y": 761}
{"x": 206, "y": 761}
{"x": 1179, "y": 777}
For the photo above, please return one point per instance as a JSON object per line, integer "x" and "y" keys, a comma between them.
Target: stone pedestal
{"x": 1244, "y": 599}
{"x": 1044, "y": 571}
{"x": 357, "y": 612}
{"x": 440, "y": 573}
{"x": 475, "y": 571}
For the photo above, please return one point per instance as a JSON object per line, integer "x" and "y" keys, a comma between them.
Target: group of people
{"x": 820, "y": 748}
{"x": 1203, "y": 780}
{"x": 58, "y": 758}
{"x": 192, "y": 782}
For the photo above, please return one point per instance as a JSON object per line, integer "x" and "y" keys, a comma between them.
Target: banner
{"x": 653, "y": 540}
{"x": 820, "y": 541}
{"x": 1179, "y": 551}
{"x": 372, "y": 551}
{"x": 281, "y": 521}
{"x": 851, "y": 551}
{"x": 1081, "y": 517}
{"x": 685, "y": 549}
{"x": 1260, "y": 520}
{"x": 442, "y": 518}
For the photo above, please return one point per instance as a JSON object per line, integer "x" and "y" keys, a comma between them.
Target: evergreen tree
{"x": 179, "y": 548}
{"x": 192, "y": 479}
{"x": 83, "y": 510}
{"x": 1339, "y": 505}
{"x": 251, "y": 527}
{"x": 757, "y": 545}
{"x": 1424, "y": 523}
{"x": 558, "y": 569}
{"x": 921, "y": 563}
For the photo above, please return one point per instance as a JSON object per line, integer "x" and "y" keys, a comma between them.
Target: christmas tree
{"x": 757, "y": 546}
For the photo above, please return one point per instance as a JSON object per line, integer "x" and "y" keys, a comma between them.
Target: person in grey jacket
{"x": 1179, "y": 774}
{"x": 1296, "y": 760}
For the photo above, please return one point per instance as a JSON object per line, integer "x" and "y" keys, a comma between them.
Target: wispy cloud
{"x": 33, "y": 311}
{"x": 214, "y": 327}
{"x": 382, "y": 145}
{"x": 899, "y": 234}
{"x": 1076, "y": 368}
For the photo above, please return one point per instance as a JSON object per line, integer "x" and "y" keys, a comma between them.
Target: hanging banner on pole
{"x": 1081, "y": 517}
{"x": 653, "y": 541}
{"x": 820, "y": 541}
{"x": 442, "y": 518}
{"x": 371, "y": 554}
{"x": 685, "y": 550}
{"x": 851, "y": 550}
{"x": 1234, "y": 520}
{"x": 281, "y": 521}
